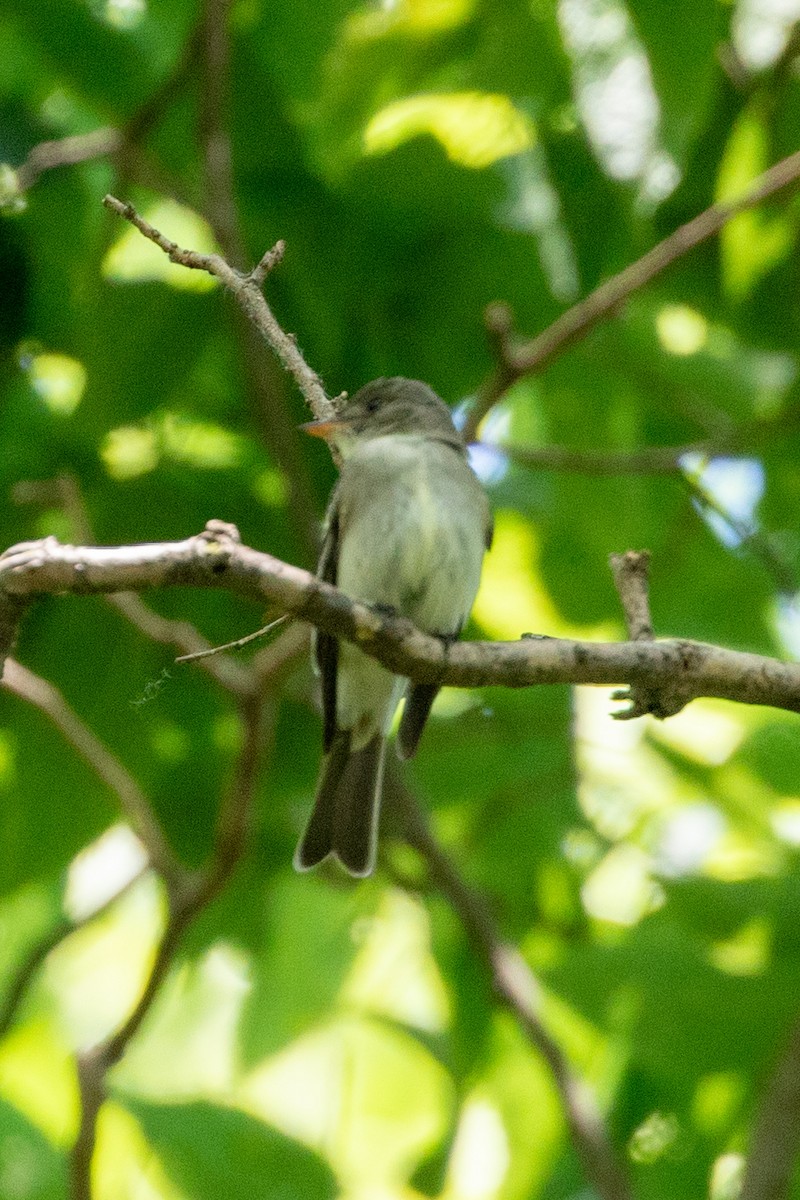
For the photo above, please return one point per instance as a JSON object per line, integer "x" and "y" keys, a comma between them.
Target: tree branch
{"x": 220, "y": 203}
{"x": 246, "y": 290}
{"x": 105, "y": 141}
{"x": 186, "y": 902}
{"x": 182, "y": 636}
{"x": 529, "y": 357}
{"x": 215, "y": 558}
{"x": 63, "y": 490}
{"x": 67, "y": 152}
{"x": 756, "y": 540}
{"x": 265, "y": 383}
{"x": 518, "y": 989}
{"x": 745, "y": 438}
{"x": 631, "y": 573}
{"x": 28, "y": 968}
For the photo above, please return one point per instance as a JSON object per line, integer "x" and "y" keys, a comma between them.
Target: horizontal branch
{"x": 215, "y": 558}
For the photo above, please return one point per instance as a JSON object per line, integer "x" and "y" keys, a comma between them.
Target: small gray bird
{"x": 406, "y": 530}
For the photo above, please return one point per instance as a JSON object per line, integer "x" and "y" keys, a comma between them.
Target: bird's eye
{"x": 373, "y": 404}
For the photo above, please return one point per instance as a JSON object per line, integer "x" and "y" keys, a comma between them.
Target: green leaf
{"x": 211, "y": 1152}
{"x": 684, "y": 68}
{"x": 30, "y": 1169}
{"x": 308, "y": 948}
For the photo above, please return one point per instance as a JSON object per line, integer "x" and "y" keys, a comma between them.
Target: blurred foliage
{"x": 421, "y": 158}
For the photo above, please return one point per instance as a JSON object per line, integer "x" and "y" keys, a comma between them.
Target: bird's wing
{"x": 488, "y": 536}
{"x": 326, "y": 646}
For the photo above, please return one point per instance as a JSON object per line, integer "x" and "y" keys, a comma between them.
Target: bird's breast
{"x": 412, "y": 537}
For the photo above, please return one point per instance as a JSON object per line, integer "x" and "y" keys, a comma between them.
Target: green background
{"x": 421, "y": 159}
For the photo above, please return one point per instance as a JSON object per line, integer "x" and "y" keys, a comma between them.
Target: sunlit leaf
{"x": 474, "y": 129}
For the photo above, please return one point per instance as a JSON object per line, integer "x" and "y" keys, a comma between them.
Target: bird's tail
{"x": 344, "y": 820}
{"x": 419, "y": 700}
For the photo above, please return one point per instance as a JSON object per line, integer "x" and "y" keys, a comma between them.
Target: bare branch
{"x": 107, "y": 141}
{"x": 518, "y": 989}
{"x": 265, "y": 384}
{"x": 259, "y": 715}
{"x": 526, "y": 358}
{"x": 27, "y": 971}
{"x": 220, "y": 196}
{"x": 282, "y": 653}
{"x": 246, "y": 290}
{"x": 215, "y": 559}
{"x": 268, "y": 262}
{"x": 631, "y": 573}
{"x": 63, "y": 490}
{"x": 159, "y": 102}
{"x": 91, "y": 1089}
{"x": 67, "y": 152}
{"x": 94, "y": 1065}
{"x": 748, "y": 534}
{"x": 238, "y": 644}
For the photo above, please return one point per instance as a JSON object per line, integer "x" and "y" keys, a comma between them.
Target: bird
{"x": 406, "y": 529}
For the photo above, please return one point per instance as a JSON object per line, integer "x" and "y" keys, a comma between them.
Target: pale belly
{"x": 418, "y": 549}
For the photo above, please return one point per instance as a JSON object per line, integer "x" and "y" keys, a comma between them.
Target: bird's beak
{"x": 323, "y": 429}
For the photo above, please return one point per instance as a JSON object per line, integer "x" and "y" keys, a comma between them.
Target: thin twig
{"x": 518, "y": 989}
{"x": 159, "y": 102}
{"x": 631, "y": 573}
{"x": 265, "y": 383}
{"x": 183, "y": 636}
{"x": 277, "y": 658}
{"x": 526, "y": 358}
{"x": 747, "y": 534}
{"x": 108, "y": 141}
{"x": 28, "y": 969}
{"x": 237, "y": 645}
{"x": 246, "y": 290}
{"x": 94, "y": 1065}
{"x": 259, "y": 715}
{"x": 727, "y": 440}
{"x": 66, "y": 152}
{"x": 220, "y": 195}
